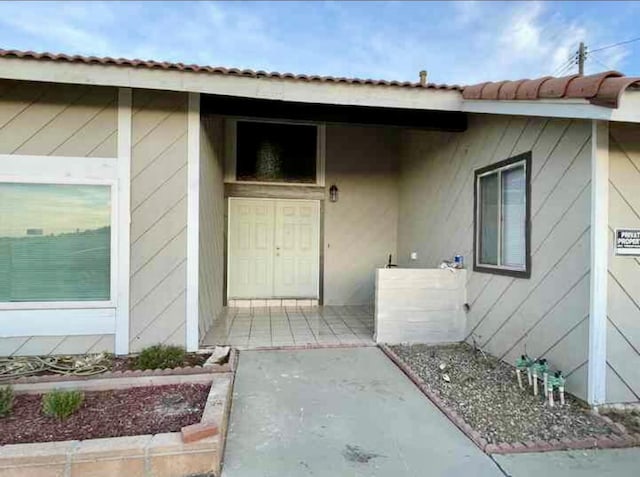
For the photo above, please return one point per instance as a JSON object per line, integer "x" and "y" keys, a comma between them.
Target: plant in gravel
{"x": 61, "y": 404}
{"x": 6, "y": 400}
{"x": 161, "y": 357}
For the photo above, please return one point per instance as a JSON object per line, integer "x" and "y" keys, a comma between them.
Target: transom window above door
{"x": 502, "y": 217}
{"x": 274, "y": 152}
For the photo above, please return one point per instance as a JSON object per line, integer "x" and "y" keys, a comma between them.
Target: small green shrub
{"x": 160, "y": 357}
{"x": 6, "y": 400}
{"x": 61, "y": 404}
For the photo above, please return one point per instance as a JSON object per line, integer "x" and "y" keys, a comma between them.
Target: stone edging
{"x": 621, "y": 439}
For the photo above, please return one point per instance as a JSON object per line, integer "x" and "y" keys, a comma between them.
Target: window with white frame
{"x": 55, "y": 242}
{"x": 502, "y": 216}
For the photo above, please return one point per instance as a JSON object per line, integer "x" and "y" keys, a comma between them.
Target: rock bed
{"x": 484, "y": 392}
{"x": 126, "y": 412}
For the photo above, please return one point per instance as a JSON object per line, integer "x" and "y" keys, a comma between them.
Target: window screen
{"x": 501, "y": 217}
{"x": 489, "y": 219}
{"x": 269, "y": 152}
{"x": 55, "y": 242}
{"x": 513, "y": 217}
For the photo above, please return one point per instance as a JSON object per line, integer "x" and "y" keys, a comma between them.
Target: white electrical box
{"x": 414, "y": 255}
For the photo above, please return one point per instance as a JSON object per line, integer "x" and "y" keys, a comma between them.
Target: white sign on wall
{"x": 627, "y": 242}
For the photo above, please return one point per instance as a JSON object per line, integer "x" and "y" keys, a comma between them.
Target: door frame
{"x": 320, "y": 255}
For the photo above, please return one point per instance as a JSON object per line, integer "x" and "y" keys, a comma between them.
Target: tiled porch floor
{"x": 248, "y": 328}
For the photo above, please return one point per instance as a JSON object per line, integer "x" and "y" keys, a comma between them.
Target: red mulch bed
{"x": 124, "y": 412}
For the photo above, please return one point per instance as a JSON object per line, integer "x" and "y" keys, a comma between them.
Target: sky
{"x": 456, "y": 42}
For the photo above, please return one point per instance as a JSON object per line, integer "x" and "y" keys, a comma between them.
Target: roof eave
{"x": 283, "y": 89}
{"x": 561, "y": 108}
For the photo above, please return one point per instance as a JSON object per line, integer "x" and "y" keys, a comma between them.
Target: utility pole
{"x": 582, "y": 55}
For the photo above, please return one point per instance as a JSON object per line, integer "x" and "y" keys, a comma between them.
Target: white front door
{"x": 273, "y": 248}
{"x": 251, "y": 224}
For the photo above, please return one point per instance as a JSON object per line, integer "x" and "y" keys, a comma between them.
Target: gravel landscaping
{"x": 484, "y": 392}
{"x": 127, "y": 412}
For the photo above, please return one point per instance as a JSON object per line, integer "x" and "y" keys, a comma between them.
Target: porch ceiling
{"x": 363, "y": 115}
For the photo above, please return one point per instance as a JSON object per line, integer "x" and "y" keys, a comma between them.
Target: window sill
{"x": 60, "y": 322}
{"x": 503, "y": 271}
{"x": 56, "y": 305}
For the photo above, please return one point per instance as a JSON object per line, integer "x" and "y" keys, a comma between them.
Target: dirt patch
{"x": 629, "y": 418}
{"x": 484, "y": 392}
{"x": 126, "y": 412}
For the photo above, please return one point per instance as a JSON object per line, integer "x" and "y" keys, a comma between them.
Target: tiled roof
{"x": 215, "y": 70}
{"x": 602, "y": 89}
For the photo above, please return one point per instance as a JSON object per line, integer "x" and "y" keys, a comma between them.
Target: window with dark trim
{"x": 273, "y": 152}
{"x": 502, "y": 213}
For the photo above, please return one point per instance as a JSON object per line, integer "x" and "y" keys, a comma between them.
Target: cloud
{"x": 70, "y": 26}
{"x": 457, "y": 42}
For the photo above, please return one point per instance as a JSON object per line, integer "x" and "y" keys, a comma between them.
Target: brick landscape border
{"x": 186, "y": 370}
{"x": 197, "y": 449}
{"x": 617, "y": 439}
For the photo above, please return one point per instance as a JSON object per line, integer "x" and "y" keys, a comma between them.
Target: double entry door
{"x": 273, "y": 248}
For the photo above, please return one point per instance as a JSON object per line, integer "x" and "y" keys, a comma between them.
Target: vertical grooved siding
{"x": 57, "y": 120}
{"x": 545, "y": 315}
{"x": 212, "y": 217}
{"x": 158, "y": 218}
{"x": 623, "y": 325}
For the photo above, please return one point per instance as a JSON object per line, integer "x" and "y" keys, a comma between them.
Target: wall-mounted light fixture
{"x": 333, "y": 193}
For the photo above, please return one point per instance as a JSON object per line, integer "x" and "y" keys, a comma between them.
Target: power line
{"x": 564, "y": 65}
{"x": 616, "y": 44}
{"x": 600, "y": 62}
{"x": 565, "y": 70}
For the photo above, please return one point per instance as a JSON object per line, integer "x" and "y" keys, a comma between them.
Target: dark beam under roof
{"x": 362, "y": 115}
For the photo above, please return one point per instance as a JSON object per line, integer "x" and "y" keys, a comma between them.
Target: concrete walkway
{"x": 589, "y": 463}
{"x": 339, "y": 412}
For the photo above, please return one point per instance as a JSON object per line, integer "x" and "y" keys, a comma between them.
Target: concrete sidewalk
{"x": 585, "y": 463}
{"x": 340, "y": 412}
{"x": 352, "y": 412}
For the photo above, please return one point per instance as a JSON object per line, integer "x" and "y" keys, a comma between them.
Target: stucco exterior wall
{"x": 360, "y": 230}
{"x": 158, "y": 219}
{"x": 623, "y": 325}
{"x": 45, "y": 119}
{"x": 212, "y": 222}
{"x": 546, "y": 315}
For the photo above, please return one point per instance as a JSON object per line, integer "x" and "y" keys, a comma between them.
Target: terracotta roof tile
{"x": 474, "y": 91}
{"x": 529, "y": 89}
{"x": 492, "y": 90}
{"x": 588, "y": 86}
{"x": 509, "y": 90}
{"x": 218, "y": 70}
{"x": 602, "y": 89}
